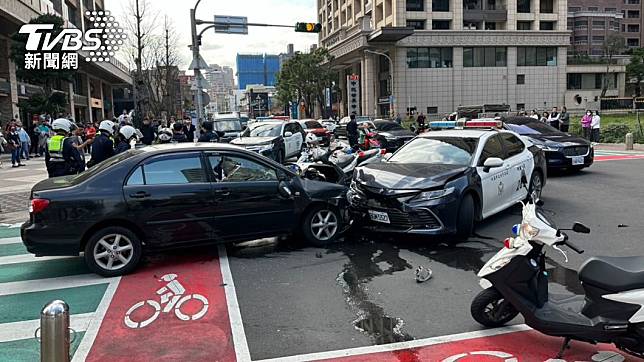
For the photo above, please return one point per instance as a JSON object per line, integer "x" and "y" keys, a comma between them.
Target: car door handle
{"x": 222, "y": 192}
{"x": 140, "y": 195}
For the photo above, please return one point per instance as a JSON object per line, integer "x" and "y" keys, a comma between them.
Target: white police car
{"x": 441, "y": 182}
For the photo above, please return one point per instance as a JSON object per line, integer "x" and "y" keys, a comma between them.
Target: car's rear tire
{"x": 322, "y": 225}
{"x": 465, "y": 220}
{"x": 113, "y": 251}
{"x": 490, "y": 309}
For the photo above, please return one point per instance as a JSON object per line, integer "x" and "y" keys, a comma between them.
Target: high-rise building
{"x": 257, "y": 69}
{"x": 89, "y": 94}
{"x": 221, "y": 83}
{"x": 439, "y": 54}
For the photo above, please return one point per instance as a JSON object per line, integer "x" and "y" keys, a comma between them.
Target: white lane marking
{"x": 95, "y": 324}
{"x": 52, "y": 283}
{"x": 5, "y": 241}
{"x": 400, "y": 345}
{"x": 14, "y": 225}
{"x": 28, "y": 258}
{"x": 25, "y": 329}
{"x": 234, "y": 314}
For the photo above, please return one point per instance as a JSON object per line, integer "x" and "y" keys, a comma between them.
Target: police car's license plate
{"x": 379, "y": 216}
{"x": 578, "y": 160}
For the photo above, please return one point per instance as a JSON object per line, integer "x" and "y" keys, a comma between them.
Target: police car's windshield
{"x": 265, "y": 130}
{"x": 535, "y": 127}
{"x": 441, "y": 150}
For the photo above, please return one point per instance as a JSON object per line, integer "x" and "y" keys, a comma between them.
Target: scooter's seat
{"x": 614, "y": 274}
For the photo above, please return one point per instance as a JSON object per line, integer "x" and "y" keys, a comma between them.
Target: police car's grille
{"x": 575, "y": 151}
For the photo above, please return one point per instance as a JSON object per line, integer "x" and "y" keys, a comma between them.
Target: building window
{"x": 429, "y": 58}
{"x": 415, "y": 5}
{"x": 416, "y": 24}
{"x": 520, "y": 78}
{"x": 633, "y": 42}
{"x": 633, "y": 14}
{"x": 523, "y": 6}
{"x": 581, "y": 39}
{"x": 485, "y": 57}
{"x": 536, "y": 56}
{"x": 598, "y": 39}
{"x": 432, "y": 110}
{"x": 574, "y": 81}
{"x": 521, "y": 106}
{"x": 441, "y": 24}
{"x": 547, "y": 25}
{"x": 599, "y": 24}
{"x": 546, "y": 6}
{"x": 574, "y": 9}
{"x": 632, "y": 2}
{"x": 524, "y": 25}
{"x": 440, "y": 5}
{"x": 610, "y": 10}
{"x": 581, "y": 24}
{"x": 593, "y": 8}
{"x": 633, "y": 28}
{"x": 490, "y": 26}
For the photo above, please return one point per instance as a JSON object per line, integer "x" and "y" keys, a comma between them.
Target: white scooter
{"x": 515, "y": 281}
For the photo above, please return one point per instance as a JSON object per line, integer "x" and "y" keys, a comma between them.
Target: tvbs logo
{"x": 97, "y": 44}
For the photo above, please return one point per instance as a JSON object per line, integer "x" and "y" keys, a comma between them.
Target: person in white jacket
{"x": 595, "y": 125}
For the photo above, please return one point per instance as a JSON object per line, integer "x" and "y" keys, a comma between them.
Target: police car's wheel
{"x": 465, "y": 221}
{"x": 491, "y": 310}
{"x": 322, "y": 225}
{"x": 113, "y": 251}
{"x": 536, "y": 186}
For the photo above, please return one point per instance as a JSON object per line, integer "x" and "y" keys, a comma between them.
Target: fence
{"x": 617, "y": 104}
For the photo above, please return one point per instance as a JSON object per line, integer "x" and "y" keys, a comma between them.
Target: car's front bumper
{"x": 558, "y": 160}
{"x": 50, "y": 240}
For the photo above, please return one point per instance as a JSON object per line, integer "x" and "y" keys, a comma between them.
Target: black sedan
{"x": 563, "y": 150}
{"x": 170, "y": 196}
{"x": 391, "y": 135}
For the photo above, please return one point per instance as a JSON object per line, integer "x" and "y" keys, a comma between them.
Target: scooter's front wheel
{"x": 492, "y": 310}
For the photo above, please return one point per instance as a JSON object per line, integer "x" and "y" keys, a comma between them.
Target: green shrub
{"x": 615, "y": 133}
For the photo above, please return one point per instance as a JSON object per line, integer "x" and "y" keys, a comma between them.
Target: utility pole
{"x": 195, "y": 60}
{"x": 169, "y": 101}
{"x": 139, "y": 49}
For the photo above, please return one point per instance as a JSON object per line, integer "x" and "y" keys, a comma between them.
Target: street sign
{"x": 231, "y": 24}
{"x": 202, "y": 64}
{"x": 353, "y": 94}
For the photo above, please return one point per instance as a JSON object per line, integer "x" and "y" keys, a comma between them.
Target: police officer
{"x": 352, "y": 132}
{"x": 208, "y": 134}
{"x": 125, "y": 136}
{"x": 61, "y": 156}
{"x": 103, "y": 145}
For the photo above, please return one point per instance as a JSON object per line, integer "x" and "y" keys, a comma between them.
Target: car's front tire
{"x": 536, "y": 186}
{"x": 113, "y": 251}
{"x": 465, "y": 221}
{"x": 322, "y": 225}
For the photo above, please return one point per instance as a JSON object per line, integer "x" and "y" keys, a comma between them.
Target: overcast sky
{"x": 222, "y": 48}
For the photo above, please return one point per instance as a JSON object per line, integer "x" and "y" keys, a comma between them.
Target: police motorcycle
{"x": 515, "y": 281}
{"x": 335, "y": 164}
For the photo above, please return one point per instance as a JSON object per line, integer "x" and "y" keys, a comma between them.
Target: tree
{"x": 48, "y": 101}
{"x": 304, "y": 78}
{"x": 635, "y": 70}
{"x": 613, "y": 45}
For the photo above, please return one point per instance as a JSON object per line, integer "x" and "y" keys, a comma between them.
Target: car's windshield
{"x": 312, "y": 124}
{"x": 227, "y": 125}
{"x": 536, "y": 127}
{"x": 441, "y": 150}
{"x": 388, "y": 126}
{"x": 265, "y": 130}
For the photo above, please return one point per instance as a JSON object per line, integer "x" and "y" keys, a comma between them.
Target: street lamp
{"x": 391, "y": 75}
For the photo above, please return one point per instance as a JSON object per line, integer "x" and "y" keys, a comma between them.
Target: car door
{"x": 300, "y": 135}
{"x": 248, "y": 202}
{"x": 520, "y": 161}
{"x": 171, "y": 197}
{"x": 290, "y": 141}
{"x": 495, "y": 180}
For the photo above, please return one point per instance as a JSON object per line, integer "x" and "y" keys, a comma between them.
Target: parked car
{"x": 229, "y": 128}
{"x": 391, "y": 135}
{"x": 315, "y": 127}
{"x": 168, "y": 196}
{"x": 340, "y": 130}
{"x": 278, "y": 140}
{"x": 563, "y": 150}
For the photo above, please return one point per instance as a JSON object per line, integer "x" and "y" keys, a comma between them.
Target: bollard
{"x": 54, "y": 332}
{"x": 629, "y": 141}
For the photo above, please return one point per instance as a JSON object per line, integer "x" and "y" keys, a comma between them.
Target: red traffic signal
{"x": 308, "y": 27}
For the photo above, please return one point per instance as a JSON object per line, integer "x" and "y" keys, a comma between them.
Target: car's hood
{"x": 558, "y": 140}
{"x": 397, "y": 133}
{"x": 407, "y": 176}
{"x": 252, "y": 141}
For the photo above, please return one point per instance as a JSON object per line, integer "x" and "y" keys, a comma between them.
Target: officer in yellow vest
{"x": 61, "y": 157}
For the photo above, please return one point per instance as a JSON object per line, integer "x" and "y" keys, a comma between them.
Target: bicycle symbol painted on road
{"x": 172, "y": 296}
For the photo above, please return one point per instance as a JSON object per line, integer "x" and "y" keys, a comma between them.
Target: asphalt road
{"x": 362, "y": 291}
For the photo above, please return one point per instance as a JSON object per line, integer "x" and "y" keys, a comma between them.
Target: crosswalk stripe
{"x": 53, "y": 283}
{"x": 4, "y": 241}
{"x": 26, "y": 258}
{"x": 25, "y": 329}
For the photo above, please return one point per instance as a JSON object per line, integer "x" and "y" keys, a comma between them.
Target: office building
{"x": 257, "y": 69}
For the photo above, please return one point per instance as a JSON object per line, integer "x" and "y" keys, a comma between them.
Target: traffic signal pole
{"x": 197, "y": 71}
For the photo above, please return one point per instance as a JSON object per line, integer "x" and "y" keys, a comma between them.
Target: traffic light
{"x": 308, "y": 27}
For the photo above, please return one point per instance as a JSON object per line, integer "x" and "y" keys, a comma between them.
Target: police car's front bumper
{"x": 426, "y": 217}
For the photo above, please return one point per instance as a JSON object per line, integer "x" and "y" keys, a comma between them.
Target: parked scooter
{"x": 515, "y": 281}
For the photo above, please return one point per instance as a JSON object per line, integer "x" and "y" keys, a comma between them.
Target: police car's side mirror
{"x": 492, "y": 162}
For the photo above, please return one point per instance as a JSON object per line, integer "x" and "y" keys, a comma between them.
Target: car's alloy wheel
{"x": 113, "y": 251}
{"x": 324, "y": 225}
{"x": 536, "y": 186}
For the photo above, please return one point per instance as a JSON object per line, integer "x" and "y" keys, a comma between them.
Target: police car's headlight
{"x": 432, "y": 195}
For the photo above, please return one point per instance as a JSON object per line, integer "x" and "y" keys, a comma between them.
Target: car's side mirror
{"x": 284, "y": 190}
{"x": 492, "y": 162}
{"x": 580, "y": 228}
{"x": 288, "y": 134}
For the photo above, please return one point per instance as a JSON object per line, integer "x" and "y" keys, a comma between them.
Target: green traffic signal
{"x": 308, "y": 27}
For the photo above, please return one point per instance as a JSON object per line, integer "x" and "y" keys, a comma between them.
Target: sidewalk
{"x": 16, "y": 188}
{"x": 638, "y": 147}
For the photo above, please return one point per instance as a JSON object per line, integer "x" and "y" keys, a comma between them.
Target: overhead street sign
{"x": 231, "y": 24}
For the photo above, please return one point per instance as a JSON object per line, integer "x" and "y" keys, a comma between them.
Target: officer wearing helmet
{"x": 61, "y": 156}
{"x": 165, "y": 135}
{"x": 208, "y": 134}
{"x": 103, "y": 146}
{"x": 125, "y": 136}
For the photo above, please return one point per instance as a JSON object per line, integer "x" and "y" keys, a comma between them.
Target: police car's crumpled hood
{"x": 407, "y": 176}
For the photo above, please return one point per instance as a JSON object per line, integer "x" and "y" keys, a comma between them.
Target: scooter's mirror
{"x": 580, "y": 228}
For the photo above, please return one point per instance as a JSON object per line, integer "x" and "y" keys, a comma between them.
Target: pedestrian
{"x": 421, "y": 122}
{"x": 398, "y": 119}
{"x": 595, "y": 125}
{"x": 90, "y": 133}
{"x": 122, "y": 117}
{"x": 564, "y": 120}
{"x": 352, "y": 132}
{"x": 553, "y": 118}
{"x": 148, "y": 132}
{"x": 102, "y": 144}
{"x": 189, "y": 128}
{"x": 177, "y": 134}
{"x": 208, "y": 134}
{"x": 124, "y": 139}
{"x": 44, "y": 132}
{"x": 25, "y": 141}
{"x": 33, "y": 135}
{"x": 13, "y": 145}
{"x": 544, "y": 117}
{"x": 534, "y": 114}
{"x": 61, "y": 156}
{"x": 77, "y": 141}
{"x": 586, "y": 122}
